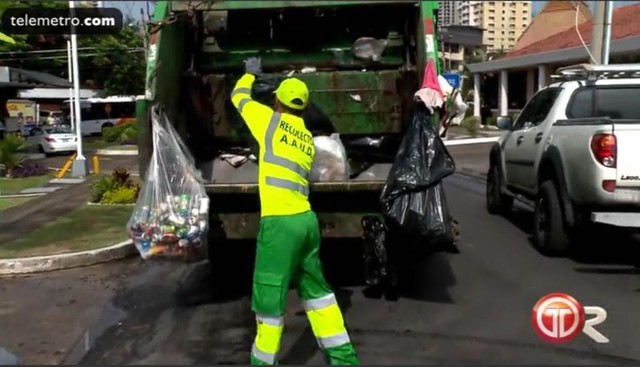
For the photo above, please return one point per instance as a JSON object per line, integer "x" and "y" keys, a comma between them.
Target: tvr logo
{"x": 559, "y": 318}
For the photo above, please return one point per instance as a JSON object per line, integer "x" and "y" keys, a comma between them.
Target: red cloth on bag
{"x": 430, "y": 79}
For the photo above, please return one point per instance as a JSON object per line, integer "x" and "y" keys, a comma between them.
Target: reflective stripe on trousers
{"x": 326, "y": 321}
{"x": 267, "y": 343}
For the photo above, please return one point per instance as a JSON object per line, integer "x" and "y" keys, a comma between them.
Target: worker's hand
{"x": 253, "y": 65}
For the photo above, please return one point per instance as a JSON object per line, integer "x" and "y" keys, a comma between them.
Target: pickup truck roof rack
{"x": 591, "y": 73}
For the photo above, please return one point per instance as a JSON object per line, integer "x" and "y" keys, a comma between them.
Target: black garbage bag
{"x": 374, "y": 148}
{"x": 380, "y": 273}
{"x": 413, "y": 198}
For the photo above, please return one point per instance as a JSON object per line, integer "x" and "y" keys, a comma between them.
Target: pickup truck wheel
{"x": 550, "y": 236}
{"x": 497, "y": 202}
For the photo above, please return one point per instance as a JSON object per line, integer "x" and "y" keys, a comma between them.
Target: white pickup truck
{"x": 575, "y": 152}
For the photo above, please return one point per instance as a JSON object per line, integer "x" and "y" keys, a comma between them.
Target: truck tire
{"x": 497, "y": 201}
{"x": 550, "y": 235}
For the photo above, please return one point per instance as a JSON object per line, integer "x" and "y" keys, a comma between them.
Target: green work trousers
{"x": 288, "y": 253}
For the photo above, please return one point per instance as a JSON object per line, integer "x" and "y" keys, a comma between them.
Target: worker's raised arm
{"x": 254, "y": 114}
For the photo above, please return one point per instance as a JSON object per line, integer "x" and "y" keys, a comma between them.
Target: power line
{"x": 65, "y": 57}
{"x": 56, "y": 50}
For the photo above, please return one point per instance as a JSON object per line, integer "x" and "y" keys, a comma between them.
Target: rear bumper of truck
{"x": 622, "y": 219}
{"x": 239, "y": 188}
{"x": 340, "y": 206}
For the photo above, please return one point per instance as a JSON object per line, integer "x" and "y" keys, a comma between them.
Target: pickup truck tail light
{"x": 609, "y": 185}
{"x": 604, "y": 148}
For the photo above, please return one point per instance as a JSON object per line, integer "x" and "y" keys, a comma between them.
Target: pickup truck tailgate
{"x": 628, "y": 154}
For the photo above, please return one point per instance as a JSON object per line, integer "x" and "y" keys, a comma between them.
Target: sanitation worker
{"x": 289, "y": 236}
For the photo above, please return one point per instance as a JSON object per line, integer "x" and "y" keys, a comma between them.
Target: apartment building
{"x": 503, "y": 21}
{"x": 447, "y": 13}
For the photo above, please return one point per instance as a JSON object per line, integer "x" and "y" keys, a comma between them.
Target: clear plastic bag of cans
{"x": 171, "y": 216}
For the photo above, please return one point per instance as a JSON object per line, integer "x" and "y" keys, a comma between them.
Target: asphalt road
{"x": 107, "y": 163}
{"x": 473, "y": 307}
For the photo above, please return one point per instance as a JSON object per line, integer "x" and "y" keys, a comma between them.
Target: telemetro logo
{"x": 560, "y": 318}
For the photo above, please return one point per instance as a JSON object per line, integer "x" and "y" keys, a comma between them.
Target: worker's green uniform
{"x": 289, "y": 238}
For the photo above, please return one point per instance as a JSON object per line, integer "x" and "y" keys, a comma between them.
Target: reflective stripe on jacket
{"x": 286, "y": 153}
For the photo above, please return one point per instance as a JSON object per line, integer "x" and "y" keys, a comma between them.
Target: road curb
{"x": 117, "y": 152}
{"x": 485, "y": 140}
{"x": 37, "y": 264}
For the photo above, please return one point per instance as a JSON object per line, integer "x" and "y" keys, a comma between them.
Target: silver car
{"x": 52, "y": 139}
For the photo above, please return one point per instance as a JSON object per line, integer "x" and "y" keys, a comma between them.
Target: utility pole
{"x": 601, "y": 38}
{"x": 72, "y": 111}
{"x": 79, "y": 167}
{"x": 143, "y": 33}
{"x": 606, "y": 47}
{"x": 598, "y": 32}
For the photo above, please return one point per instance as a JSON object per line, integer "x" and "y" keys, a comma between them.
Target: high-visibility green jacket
{"x": 286, "y": 153}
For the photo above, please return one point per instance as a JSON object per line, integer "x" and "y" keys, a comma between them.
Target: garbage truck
{"x": 362, "y": 61}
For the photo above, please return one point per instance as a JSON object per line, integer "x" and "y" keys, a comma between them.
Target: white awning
{"x": 566, "y": 56}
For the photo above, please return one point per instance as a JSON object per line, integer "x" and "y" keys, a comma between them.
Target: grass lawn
{"x": 87, "y": 228}
{"x": 6, "y": 203}
{"x": 15, "y": 185}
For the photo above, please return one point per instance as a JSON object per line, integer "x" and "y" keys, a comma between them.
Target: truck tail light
{"x": 609, "y": 185}
{"x": 604, "y": 148}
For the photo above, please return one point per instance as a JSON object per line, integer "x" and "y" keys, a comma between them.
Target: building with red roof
{"x": 570, "y": 46}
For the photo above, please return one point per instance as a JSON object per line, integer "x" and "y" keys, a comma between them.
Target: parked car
{"x": 53, "y": 139}
{"x": 573, "y": 152}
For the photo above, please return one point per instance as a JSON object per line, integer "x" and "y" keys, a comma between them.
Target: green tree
{"x": 478, "y": 55}
{"x": 114, "y": 63}
{"x": 121, "y": 61}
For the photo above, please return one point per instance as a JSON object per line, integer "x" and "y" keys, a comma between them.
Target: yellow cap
{"x": 293, "y": 93}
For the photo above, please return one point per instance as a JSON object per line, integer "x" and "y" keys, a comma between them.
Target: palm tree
{"x": 478, "y": 55}
{"x": 6, "y": 39}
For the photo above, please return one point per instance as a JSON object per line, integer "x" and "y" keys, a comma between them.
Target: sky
{"x": 538, "y": 5}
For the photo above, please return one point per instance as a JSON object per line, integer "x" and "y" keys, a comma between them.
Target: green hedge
{"x": 122, "y": 134}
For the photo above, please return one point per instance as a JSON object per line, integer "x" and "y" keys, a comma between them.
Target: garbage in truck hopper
{"x": 316, "y": 121}
{"x": 330, "y": 163}
{"x": 171, "y": 216}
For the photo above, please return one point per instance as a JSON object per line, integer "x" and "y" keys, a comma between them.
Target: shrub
{"x": 122, "y": 195}
{"x": 492, "y": 121}
{"x": 10, "y": 148}
{"x": 100, "y": 187}
{"x": 28, "y": 170}
{"x": 129, "y": 134}
{"x": 111, "y": 134}
{"x": 471, "y": 125}
{"x": 119, "y": 179}
{"x": 469, "y": 112}
{"x": 123, "y": 134}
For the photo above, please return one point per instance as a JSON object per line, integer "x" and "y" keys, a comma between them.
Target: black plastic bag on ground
{"x": 413, "y": 198}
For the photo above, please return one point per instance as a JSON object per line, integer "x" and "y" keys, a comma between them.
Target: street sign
{"x": 453, "y": 79}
